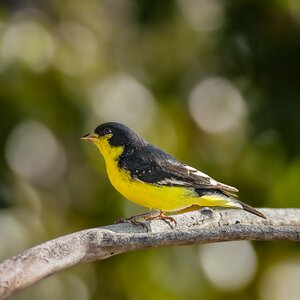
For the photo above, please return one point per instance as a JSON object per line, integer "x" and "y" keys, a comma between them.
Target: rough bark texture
{"x": 198, "y": 227}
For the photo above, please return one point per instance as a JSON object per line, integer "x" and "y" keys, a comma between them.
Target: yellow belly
{"x": 165, "y": 198}
{"x": 148, "y": 195}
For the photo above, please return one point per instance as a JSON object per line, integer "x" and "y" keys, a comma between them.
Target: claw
{"x": 154, "y": 215}
{"x": 133, "y": 220}
{"x": 171, "y": 219}
{"x": 120, "y": 221}
{"x": 161, "y": 216}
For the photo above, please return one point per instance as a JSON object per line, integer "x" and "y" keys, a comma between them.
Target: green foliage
{"x": 215, "y": 83}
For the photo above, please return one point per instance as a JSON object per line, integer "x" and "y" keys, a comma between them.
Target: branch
{"x": 203, "y": 226}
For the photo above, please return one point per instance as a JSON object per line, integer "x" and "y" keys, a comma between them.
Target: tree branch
{"x": 203, "y": 226}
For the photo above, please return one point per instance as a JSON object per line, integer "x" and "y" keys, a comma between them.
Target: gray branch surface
{"x": 197, "y": 227}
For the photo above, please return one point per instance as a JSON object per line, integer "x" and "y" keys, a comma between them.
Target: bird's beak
{"x": 91, "y": 137}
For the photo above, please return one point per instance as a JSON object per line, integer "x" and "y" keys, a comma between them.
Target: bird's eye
{"x": 107, "y": 131}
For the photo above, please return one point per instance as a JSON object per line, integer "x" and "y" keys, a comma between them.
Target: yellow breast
{"x": 148, "y": 195}
{"x": 165, "y": 198}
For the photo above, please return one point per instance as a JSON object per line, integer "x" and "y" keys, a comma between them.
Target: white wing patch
{"x": 171, "y": 181}
{"x": 201, "y": 174}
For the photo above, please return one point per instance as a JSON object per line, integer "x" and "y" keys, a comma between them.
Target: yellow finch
{"x": 152, "y": 178}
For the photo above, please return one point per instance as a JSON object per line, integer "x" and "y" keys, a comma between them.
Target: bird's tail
{"x": 251, "y": 210}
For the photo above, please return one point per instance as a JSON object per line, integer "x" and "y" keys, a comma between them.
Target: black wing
{"x": 152, "y": 165}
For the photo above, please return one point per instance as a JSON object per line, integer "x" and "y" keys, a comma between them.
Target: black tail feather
{"x": 252, "y": 210}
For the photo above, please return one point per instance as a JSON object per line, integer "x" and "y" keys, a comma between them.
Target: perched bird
{"x": 146, "y": 175}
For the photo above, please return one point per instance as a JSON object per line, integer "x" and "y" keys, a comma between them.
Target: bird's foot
{"x": 160, "y": 215}
{"x": 153, "y": 215}
{"x": 135, "y": 220}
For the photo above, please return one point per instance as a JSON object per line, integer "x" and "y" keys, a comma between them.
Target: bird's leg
{"x": 152, "y": 215}
{"x": 160, "y": 215}
{"x": 135, "y": 219}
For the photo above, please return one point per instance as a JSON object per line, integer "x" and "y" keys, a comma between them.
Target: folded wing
{"x": 154, "y": 166}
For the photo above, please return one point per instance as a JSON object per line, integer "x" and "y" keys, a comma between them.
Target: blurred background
{"x": 215, "y": 83}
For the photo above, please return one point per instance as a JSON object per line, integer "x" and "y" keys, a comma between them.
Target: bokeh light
{"x": 281, "y": 281}
{"x": 13, "y": 232}
{"x": 64, "y": 286}
{"x": 217, "y": 106}
{"x": 294, "y": 7}
{"x": 77, "y": 50}
{"x": 28, "y": 42}
{"x": 202, "y": 15}
{"x": 15, "y": 227}
{"x": 229, "y": 265}
{"x": 34, "y": 153}
{"x": 122, "y": 98}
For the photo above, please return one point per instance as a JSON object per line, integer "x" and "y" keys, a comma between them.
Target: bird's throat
{"x": 110, "y": 154}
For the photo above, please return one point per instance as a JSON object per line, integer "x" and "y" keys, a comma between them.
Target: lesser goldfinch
{"x": 150, "y": 177}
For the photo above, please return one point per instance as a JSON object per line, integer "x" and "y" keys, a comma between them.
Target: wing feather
{"x": 152, "y": 165}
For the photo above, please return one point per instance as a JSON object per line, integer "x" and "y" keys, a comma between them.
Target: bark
{"x": 197, "y": 227}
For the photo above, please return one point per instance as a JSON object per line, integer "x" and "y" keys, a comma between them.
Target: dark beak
{"x": 90, "y": 137}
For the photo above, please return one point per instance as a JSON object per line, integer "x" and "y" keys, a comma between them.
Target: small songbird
{"x": 152, "y": 178}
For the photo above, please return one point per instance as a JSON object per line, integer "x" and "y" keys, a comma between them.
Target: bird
{"x": 150, "y": 177}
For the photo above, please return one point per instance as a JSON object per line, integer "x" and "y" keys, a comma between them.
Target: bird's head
{"x": 113, "y": 136}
